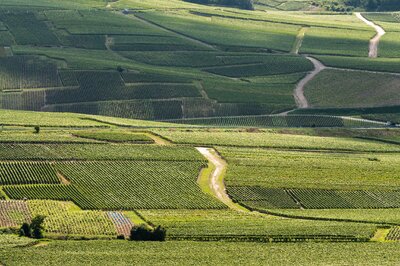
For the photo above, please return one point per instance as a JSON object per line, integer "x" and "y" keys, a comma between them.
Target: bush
{"x": 145, "y": 233}
{"x": 37, "y": 129}
{"x": 35, "y": 229}
{"x": 37, "y": 226}
{"x": 25, "y": 230}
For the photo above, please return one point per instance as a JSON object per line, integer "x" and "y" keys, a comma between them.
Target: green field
{"x": 266, "y": 135}
{"x": 340, "y": 171}
{"x": 181, "y": 253}
{"x": 359, "y": 89}
{"x": 267, "y": 139}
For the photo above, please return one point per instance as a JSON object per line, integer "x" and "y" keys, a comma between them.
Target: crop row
{"x": 14, "y": 173}
{"x": 131, "y": 184}
{"x": 189, "y": 224}
{"x": 19, "y": 72}
{"x": 23, "y": 100}
{"x": 10, "y": 151}
{"x": 166, "y": 109}
{"x": 394, "y": 233}
{"x": 268, "y": 139}
{"x": 101, "y": 86}
{"x": 275, "y": 198}
{"x": 139, "y": 184}
{"x": 310, "y": 170}
{"x": 122, "y": 224}
{"x": 281, "y": 65}
{"x": 278, "y": 121}
{"x": 28, "y": 30}
{"x": 138, "y": 109}
{"x": 333, "y": 199}
{"x": 64, "y": 218}
{"x": 13, "y": 213}
{"x": 114, "y": 136}
{"x": 49, "y": 192}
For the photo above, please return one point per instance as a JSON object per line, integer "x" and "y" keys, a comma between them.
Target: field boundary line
{"x": 374, "y": 42}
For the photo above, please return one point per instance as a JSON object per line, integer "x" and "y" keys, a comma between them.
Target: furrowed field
{"x": 259, "y": 134}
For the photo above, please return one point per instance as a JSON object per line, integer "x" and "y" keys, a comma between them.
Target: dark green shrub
{"x": 25, "y": 230}
{"x": 36, "y": 226}
{"x": 145, "y": 233}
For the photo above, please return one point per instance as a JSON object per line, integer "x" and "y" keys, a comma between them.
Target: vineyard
{"x": 234, "y": 136}
{"x": 139, "y": 184}
{"x": 72, "y": 151}
{"x": 310, "y": 170}
{"x": 27, "y": 173}
{"x": 258, "y": 138}
{"x": 269, "y": 121}
{"x": 63, "y": 218}
{"x": 394, "y": 234}
{"x": 115, "y": 136}
{"x": 228, "y": 225}
{"x": 49, "y": 192}
{"x": 13, "y": 213}
{"x": 275, "y": 198}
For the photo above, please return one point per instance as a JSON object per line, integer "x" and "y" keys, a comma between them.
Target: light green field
{"x": 121, "y": 93}
{"x": 370, "y": 215}
{"x": 183, "y": 253}
{"x": 335, "y": 88}
{"x": 272, "y": 140}
{"x": 310, "y": 170}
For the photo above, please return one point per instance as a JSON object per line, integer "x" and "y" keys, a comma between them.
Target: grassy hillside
{"x": 178, "y": 60}
{"x": 186, "y": 116}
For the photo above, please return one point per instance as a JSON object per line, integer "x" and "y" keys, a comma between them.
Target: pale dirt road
{"x": 374, "y": 42}
{"x": 216, "y": 180}
{"x": 301, "y": 100}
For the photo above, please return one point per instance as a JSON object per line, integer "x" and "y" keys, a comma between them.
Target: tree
{"x": 145, "y": 233}
{"x": 159, "y": 234}
{"x": 37, "y": 129}
{"x": 25, "y": 230}
{"x": 120, "y": 69}
{"x": 37, "y": 227}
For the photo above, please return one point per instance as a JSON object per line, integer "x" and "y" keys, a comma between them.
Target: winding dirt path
{"x": 216, "y": 181}
{"x": 374, "y": 42}
{"x": 301, "y": 100}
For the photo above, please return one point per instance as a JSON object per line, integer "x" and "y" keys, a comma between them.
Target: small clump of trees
{"x": 34, "y": 229}
{"x": 145, "y": 233}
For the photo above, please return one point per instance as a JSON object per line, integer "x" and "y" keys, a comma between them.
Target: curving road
{"x": 216, "y": 179}
{"x": 374, "y": 42}
{"x": 301, "y": 100}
